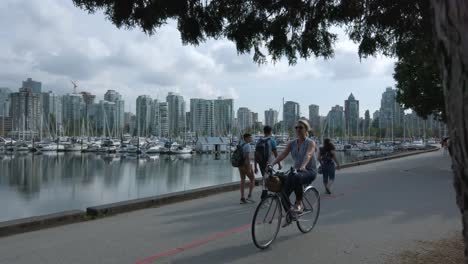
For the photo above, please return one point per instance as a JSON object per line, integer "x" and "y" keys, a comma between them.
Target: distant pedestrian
{"x": 263, "y": 150}
{"x": 444, "y": 143}
{"x": 328, "y": 162}
{"x": 245, "y": 169}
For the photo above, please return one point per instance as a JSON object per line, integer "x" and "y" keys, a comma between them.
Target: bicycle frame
{"x": 284, "y": 199}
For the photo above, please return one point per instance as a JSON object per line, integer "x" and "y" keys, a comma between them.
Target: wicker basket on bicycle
{"x": 274, "y": 183}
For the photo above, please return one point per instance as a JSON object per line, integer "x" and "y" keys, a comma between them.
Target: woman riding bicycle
{"x": 302, "y": 150}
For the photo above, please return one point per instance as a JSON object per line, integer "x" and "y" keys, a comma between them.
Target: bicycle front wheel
{"x": 266, "y": 221}
{"x": 306, "y": 221}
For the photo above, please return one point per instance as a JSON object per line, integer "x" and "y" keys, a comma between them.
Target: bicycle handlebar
{"x": 272, "y": 171}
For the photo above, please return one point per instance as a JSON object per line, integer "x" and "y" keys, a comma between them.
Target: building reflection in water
{"x": 52, "y": 182}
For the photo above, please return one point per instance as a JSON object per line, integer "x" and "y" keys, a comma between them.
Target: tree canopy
{"x": 301, "y": 29}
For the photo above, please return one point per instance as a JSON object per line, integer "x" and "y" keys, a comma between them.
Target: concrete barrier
{"x": 154, "y": 201}
{"x": 67, "y": 217}
{"x": 389, "y": 157}
{"x": 39, "y": 222}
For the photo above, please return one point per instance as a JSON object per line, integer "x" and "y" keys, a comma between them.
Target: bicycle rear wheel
{"x": 306, "y": 221}
{"x": 266, "y": 221}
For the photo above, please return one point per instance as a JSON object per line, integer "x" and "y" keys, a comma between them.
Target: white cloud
{"x": 53, "y": 41}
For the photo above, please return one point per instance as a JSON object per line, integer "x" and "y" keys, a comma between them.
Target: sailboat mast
{"x": 284, "y": 121}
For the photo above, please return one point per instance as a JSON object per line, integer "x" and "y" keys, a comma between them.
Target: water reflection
{"x": 52, "y": 182}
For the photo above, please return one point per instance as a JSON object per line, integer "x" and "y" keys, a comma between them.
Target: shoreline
{"x": 23, "y": 225}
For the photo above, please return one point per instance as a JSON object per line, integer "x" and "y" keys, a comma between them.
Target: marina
{"x": 49, "y": 181}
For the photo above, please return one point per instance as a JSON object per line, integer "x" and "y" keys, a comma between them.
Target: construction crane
{"x": 74, "y": 86}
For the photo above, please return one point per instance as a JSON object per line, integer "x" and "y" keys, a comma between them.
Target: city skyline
{"x": 78, "y": 114}
{"x": 304, "y": 109}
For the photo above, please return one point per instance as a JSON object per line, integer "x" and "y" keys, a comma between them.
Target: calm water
{"x": 39, "y": 184}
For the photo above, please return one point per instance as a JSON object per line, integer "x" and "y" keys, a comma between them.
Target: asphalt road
{"x": 376, "y": 211}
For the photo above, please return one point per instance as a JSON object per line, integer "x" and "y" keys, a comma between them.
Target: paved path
{"x": 377, "y": 209}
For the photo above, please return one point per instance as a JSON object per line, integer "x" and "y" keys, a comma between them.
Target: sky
{"x": 54, "y": 42}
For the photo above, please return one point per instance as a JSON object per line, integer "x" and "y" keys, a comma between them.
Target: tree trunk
{"x": 451, "y": 39}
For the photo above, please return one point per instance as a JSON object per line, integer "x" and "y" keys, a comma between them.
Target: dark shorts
{"x": 245, "y": 170}
{"x": 328, "y": 172}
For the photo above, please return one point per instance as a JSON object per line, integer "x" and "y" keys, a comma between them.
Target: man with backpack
{"x": 241, "y": 159}
{"x": 263, "y": 150}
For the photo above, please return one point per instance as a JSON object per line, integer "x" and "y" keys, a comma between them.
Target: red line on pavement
{"x": 222, "y": 234}
{"x": 192, "y": 245}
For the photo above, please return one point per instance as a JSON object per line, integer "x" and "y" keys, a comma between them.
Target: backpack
{"x": 327, "y": 157}
{"x": 237, "y": 157}
{"x": 263, "y": 150}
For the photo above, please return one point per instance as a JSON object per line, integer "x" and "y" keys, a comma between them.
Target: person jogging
{"x": 327, "y": 159}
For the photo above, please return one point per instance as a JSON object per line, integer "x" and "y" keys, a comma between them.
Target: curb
{"x": 390, "y": 157}
{"x": 160, "y": 200}
{"x": 73, "y": 216}
{"x": 39, "y": 222}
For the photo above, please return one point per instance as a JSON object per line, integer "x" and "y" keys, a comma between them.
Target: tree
{"x": 419, "y": 83}
{"x": 451, "y": 31}
{"x": 407, "y": 30}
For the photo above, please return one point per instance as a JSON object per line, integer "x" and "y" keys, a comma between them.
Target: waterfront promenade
{"x": 376, "y": 210}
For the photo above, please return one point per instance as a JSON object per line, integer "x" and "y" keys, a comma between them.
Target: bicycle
{"x": 274, "y": 203}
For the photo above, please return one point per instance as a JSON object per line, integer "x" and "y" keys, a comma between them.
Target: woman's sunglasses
{"x": 299, "y": 127}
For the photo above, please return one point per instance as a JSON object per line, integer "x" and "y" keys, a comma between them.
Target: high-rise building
{"x": 112, "y": 96}
{"x": 133, "y": 122}
{"x": 176, "y": 111}
{"x": 291, "y": 114}
{"x": 244, "y": 119}
{"x": 271, "y": 117}
{"x": 391, "y": 112}
{"x": 367, "y": 119}
{"x": 111, "y": 117}
{"x": 52, "y": 112}
{"x": 36, "y": 87}
{"x": 114, "y": 108}
{"x": 335, "y": 121}
{"x": 143, "y": 115}
{"x": 5, "y": 125}
{"x": 256, "y": 124}
{"x": 352, "y": 115}
{"x": 88, "y": 100}
{"x": 164, "y": 119}
{"x": 223, "y": 116}
{"x": 254, "y": 117}
{"x": 375, "y": 119}
{"x": 314, "y": 118}
{"x": 202, "y": 115}
{"x": 154, "y": 119}
{"x": 128, "y": 126}
{"x": 5, "y": 101}
{"x": 26, "y": 112}
{"x": 73, "y": 108}
{"x": 188, "y": 120}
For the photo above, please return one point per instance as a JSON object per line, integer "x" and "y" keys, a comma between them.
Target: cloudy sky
{"x": 54, "y": 42}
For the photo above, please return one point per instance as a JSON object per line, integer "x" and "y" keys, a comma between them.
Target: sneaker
{"x": 243, "y": 201}
{"x": 327, "y": 190}
{"x": 298, "y": 208}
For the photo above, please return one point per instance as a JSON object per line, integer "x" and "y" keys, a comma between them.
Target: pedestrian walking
{"x": 265, "y": 147}
{"x": 245, "y": 168}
